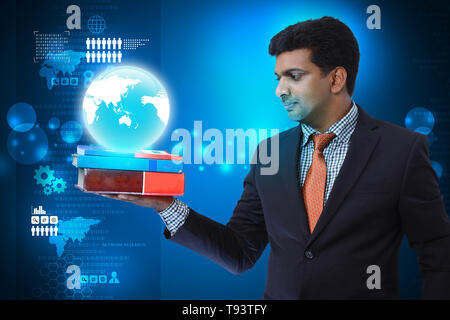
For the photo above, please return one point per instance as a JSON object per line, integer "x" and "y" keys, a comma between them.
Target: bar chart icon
{"x": 38, "y": 210}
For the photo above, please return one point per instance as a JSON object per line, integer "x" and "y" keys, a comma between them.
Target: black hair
{"x": 331, "y": 42}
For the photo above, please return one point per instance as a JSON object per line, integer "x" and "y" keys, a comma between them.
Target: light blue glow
{"x": 126, "y": 109}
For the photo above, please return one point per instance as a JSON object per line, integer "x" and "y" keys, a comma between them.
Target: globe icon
{"x": 126, "y": 109}
{"x": 96, "y": 24}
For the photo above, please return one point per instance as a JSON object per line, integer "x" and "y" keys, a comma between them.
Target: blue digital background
{"x": 213, "y": 59}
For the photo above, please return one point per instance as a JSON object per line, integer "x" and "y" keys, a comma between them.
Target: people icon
{"x": 114, "y": 56}
{"x": 98, "y": 56}
{"x": 42, "y": 231}
{"x": 51, "y": 231}
{"x": 119, "y": 57}
{"x": 103, "y": 57}
{"x": 119, "y": 44}
{"x": 108, "y": 42}
{"x": 46, "y": 231}
{"x": 56, "y": 230}
{"x": 88, "y": 42}
{"x": 88, "y": 56}
{"x": 108, "y": 55}
{"x": 114, "y": 278}
{"x": 114, "y": 43}
{"x": 98, "y": 43}
{"x": 33, "y": 231}
{"x": 103, "y": 43}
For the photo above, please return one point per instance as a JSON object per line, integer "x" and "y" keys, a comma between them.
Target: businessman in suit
{"x": 348, "y": 188}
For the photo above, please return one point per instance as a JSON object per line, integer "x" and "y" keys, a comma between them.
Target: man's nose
{"x": 282, "y": 89}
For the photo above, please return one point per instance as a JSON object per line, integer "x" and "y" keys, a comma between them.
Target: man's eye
{"x": 296, "y": 76}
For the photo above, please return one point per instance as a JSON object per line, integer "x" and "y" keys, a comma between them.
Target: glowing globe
{"x": 126, "y": 109}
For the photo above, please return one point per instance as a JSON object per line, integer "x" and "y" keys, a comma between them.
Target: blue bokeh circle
{"x": 53, "y": 123}
{"x": 420, "y": 120}
{"x": 71, "y": 131}
{"x": 21, "y": 117}
{"x": 437, "y": 168}
{"x": 28, "y": 147}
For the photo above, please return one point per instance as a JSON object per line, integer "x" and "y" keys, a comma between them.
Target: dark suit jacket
{"x": 386, "y": 187}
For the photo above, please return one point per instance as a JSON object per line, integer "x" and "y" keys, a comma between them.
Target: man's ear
{"x": 338, "y": 79}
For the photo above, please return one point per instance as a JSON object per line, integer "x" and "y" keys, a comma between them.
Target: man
{"x": 348, "y": 188}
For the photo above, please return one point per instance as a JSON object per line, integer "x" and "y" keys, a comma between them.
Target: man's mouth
{"x": 289, "y": 105}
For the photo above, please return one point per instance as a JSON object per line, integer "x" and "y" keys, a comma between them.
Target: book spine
{"x": 135, "y": 164}
{"x": 130, "y": 182}
{"x": 82, "y": 150}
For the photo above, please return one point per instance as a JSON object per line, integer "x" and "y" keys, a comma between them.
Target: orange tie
{"x": 314, "y": 186}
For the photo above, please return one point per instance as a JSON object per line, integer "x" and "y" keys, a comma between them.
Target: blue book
{"x": 102, "y": 151}
{"x": 127, "y": 163}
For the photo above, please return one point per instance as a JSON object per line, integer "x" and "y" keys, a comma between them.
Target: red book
{"x": 131, "y": 182}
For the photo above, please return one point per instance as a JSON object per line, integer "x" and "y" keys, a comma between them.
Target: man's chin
{"x": 300, "y": 117}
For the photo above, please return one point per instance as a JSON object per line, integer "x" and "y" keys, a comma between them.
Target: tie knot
{"x": 322, "y": 140}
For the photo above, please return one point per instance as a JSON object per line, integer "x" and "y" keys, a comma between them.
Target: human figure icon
{"x": 108, "y": 42}
{"x": 114, "y": 56}
{"x": 103, "y": 57}
{"x": 32, "y": 231}
{"x": 114, "y": 43}
{"x": 108, "y": 55}
{"x": 103, "y": 43}
{"x": 88, "y": 42}
{"x": 51, "y": 230}
{"x": 88, "y": 56}
{"x": 98, "y": 43}
{"x": 56, "y": 230}
{"x": 98, "y": 56}
{"x": 119, "y": 56}
{"x": 46, "y": 231}
{"x": 119, "y": 44}
{"x": 37, "y": 231}
{"x": 114, "y": 278}
{"x": 42, "y": 231}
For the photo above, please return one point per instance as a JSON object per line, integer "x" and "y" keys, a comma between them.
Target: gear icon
{"x": 48, "y": 190}
{"x": 44, "y": 175}
{"x": 59, "y": 185}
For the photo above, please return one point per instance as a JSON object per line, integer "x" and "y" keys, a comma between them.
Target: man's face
{"x": 302, "y": 88}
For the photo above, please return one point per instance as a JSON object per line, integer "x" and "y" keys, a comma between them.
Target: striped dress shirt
{"x": 334, "y": 153}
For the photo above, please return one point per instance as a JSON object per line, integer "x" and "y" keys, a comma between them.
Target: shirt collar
{"x": 341, "y": 128}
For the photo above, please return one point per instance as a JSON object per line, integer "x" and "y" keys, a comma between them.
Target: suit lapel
{"x": 289, "y": 169}
{"x": 362, "y": 144}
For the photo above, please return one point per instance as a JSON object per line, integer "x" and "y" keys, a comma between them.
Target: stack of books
{"x": 147, "y": 172}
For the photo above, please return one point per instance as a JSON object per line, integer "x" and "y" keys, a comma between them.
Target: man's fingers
{"x": 128, "y": 197}
{"x": 108, "y": 195}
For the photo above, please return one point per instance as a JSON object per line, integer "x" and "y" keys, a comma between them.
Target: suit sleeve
{"x": 235, "y": 246}
{"x": 425, "y": 221}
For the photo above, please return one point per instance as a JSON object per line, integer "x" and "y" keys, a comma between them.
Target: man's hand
{"x": 159, "y": 203}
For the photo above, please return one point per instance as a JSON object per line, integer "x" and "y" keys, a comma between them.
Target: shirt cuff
{"x": 174, "y": 215}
